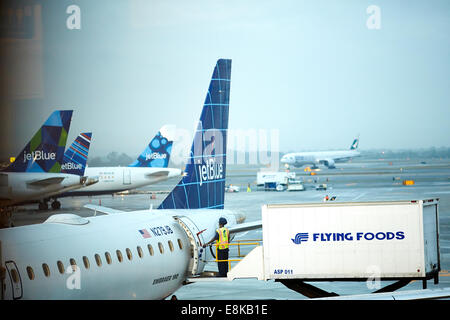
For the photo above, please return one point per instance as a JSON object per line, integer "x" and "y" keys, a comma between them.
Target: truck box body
{"x": 263, "y": 177}
{"x": 351, "y": 241}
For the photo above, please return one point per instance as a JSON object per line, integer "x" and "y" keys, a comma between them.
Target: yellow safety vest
{"x": 223, "y": 238}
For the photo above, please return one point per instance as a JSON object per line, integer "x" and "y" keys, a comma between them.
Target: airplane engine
{"x": 329, "y": 163}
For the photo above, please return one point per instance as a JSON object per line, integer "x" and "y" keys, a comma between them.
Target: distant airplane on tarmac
{"x": 144, "y": 254}
{"x": 327, "y": 158}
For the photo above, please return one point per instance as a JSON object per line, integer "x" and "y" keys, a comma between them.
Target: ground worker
{"x": 221, "y": 238}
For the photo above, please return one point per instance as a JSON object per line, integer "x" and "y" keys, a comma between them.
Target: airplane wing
{"x": 102, "y": 209}
{"x": 46, "y": 182}
{"x": 158, "y": 174}
{"x": 245, "y": 226}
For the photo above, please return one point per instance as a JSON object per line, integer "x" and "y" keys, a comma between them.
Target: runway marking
{"x": 361, "y": 195}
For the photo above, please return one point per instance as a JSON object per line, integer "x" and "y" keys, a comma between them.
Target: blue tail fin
{"x": 157, "y": 153}
{"x": 45, "y": 151}
{"x": 76, "y": 155}
{"x": 203, "y": 183}
{"x": 354, "y": 145}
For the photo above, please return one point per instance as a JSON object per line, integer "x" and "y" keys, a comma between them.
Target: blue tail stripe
{"x": 82, "y": 153}
{"x": 75, "y": 157}
{"x": 80, "y": 147}
{"x": 186, "y": 197}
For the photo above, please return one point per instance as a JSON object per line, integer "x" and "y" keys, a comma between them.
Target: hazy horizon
{"x": 313, "y": 70}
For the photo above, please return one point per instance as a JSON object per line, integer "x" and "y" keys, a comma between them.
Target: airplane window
{"x": 46, "y": 269}
{"x": 60, "y": 267}
{"x": 108, "y": 257}
{"x": 98, "y": 260}
{"x": 180, "y": 244}
{"x": 129, "y": 254}
{"x": 86, "y": 262}
{"x": 150, "y": 249}
{"x": 30, "y": 273}
{"x": 161, "y": 247}
{"x": 119, "y": 255}
{"x": 14, "y": 275}
{"x": 170, "y": 245}
{"x": 140, "y": 252}
{"x": 73, "y": 264}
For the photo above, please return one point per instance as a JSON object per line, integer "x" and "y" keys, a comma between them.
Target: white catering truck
{"x": 263, "y": 177}
{"x": 274, "y": 180}
{"x": 347, "y": 241}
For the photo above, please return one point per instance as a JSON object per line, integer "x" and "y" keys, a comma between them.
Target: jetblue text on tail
{"x": 45, "y": 151}
{"x": 157, "y": 153}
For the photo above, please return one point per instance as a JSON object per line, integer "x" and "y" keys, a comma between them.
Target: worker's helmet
{"x": 222, "y": 221}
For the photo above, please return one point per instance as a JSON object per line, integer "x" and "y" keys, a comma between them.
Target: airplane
{"x": 150, "y": 167}
{"x": 36, "y": 171}
{"x": 74, "y": 163}
{"x": 327, "y": 158}
{"x": 146, "y": 254}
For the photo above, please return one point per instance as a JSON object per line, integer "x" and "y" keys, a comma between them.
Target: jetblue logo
{"x": 38, "y": 155}
{"x": 349, "y": 236}
{"x": 210, "y": 171}
{"x": 71, "y": 166}
{"x": 155, "y": 155}
{"x": 299, "y": 237}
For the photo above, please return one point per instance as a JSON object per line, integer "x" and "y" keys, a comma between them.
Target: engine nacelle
{"x": 329, "y": 163}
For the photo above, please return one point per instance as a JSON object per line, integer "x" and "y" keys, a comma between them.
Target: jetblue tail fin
{"x": 45, "y": 151}
{"x": 354, "y": 145}
{"x": 203, "y": 182}
{"x": 157, "y": 153}
{"x": 76, "y": 155}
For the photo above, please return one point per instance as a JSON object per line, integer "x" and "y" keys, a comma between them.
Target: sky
{"x": 315, "y": 74}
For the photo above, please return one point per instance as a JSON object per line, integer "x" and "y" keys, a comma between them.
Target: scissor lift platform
{"x": 207, "y": 276}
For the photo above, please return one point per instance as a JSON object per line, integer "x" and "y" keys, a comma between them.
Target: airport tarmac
{"x": 362, "y": 180}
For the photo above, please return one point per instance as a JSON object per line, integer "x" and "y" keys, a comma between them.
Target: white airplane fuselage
{"x": 328, "y": 158}
{"x": 115, "y": 179}
{"x": 113, "y": 258}
{"x": 25, "y": 186}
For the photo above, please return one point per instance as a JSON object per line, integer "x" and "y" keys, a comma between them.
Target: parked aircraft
{"x": 36, "y": 172}
{"x": 327, "y": 158}
{"x": 74, "y": 163}
{"x": 149, "y": 168}
{"x": 132, "y": 255}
